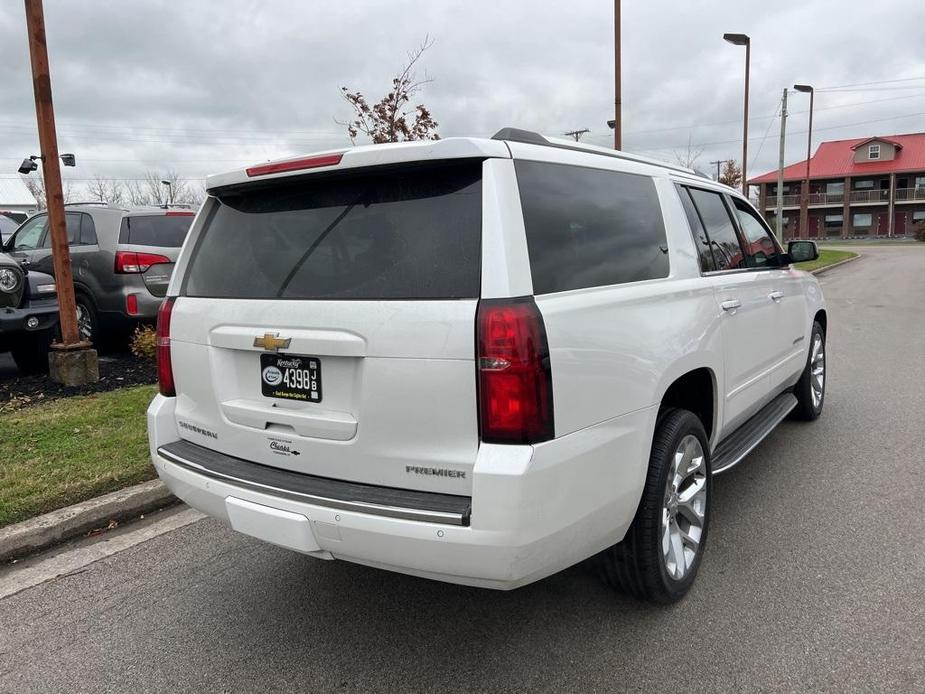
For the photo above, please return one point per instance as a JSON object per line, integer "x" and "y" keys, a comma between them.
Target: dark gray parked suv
{"x": 122, "y": 261}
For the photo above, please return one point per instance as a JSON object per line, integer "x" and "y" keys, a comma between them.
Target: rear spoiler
{"x": 335, "y": 161}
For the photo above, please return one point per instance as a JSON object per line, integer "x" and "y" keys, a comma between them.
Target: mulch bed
{"x": 118, "y": 370}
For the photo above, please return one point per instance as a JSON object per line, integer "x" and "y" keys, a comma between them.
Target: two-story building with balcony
{"x": 866, "y": 187}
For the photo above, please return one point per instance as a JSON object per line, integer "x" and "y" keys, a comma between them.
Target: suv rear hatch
{"x": 149, "y": 244}
{"x": 325, "y": 325}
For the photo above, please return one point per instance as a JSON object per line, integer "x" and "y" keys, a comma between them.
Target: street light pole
{"x": 617, "y": 86}
{"x": 743, "y": 40}
{"x": 804, "y": 198}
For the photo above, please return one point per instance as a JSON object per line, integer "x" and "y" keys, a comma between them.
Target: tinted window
{"x": 87, "y": 230}
{"x": 167, "y": 231}
{"x": 760, "y": 250}
{"x": 72, "y": 219}
{"x": 590, "y": 228}
{"x": 402, "y": 234}
{"x": 701, "y": 240}
{"x": 727, "y": 253}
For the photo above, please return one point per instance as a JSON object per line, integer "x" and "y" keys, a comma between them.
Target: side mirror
{"x": 801, "y": 251}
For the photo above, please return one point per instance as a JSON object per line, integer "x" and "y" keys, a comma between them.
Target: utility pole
{"x": 617, "y": 86}
{"x": 71, "y": 362}
{"x": 779, "y": 222}
{"x": 577, "y": 133}
{"x": 718, "y": 162}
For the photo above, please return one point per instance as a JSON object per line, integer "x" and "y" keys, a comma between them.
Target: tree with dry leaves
{"x": 392, "y": 119}
{"x": 731, "y": 174}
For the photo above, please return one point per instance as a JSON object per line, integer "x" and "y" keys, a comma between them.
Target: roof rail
{"x": 534, "y": 138}
{"x": 94, "y": 203}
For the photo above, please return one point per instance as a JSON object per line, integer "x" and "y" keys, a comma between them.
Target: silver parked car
{"x": 122, "y": 260}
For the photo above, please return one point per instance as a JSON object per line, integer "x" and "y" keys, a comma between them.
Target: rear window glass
{"x": 589, "y": 227}
{"x": 411, "y": 233}
{"x": 167, "y": 231}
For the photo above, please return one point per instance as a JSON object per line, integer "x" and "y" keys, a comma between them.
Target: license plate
{"x": 290, "y": 376}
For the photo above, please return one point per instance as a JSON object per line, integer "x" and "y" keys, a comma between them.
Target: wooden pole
{"x": 48, "y": 141}
{"x": 617, "y": 87}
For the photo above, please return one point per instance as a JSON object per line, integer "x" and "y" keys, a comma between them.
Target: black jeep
{"x": 28, "y": 314}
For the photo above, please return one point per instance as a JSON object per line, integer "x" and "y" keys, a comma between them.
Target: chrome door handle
{"x": 731, "y": 305}
{"x": 776, "y": 296}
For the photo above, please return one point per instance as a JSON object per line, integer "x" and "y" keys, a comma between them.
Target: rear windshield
{"x": 402, "y": 234}
{"x": 167, "y": 231}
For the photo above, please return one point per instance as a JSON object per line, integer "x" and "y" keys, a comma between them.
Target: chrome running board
{"x": 732, "y": 449}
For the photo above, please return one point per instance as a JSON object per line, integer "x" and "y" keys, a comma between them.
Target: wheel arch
{"x": 695, "y": 390}
{"x": 822, "y": 318}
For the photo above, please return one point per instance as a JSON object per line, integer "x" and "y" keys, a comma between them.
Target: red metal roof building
{"x": 869, "y": 186}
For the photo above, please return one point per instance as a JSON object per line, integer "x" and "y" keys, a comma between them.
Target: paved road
{"x": 814, "y": 578}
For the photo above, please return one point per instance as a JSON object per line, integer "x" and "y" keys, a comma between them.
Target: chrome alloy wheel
{"x": 84, "y": 324}
{"x": 817, "y": 370}
{"x": 685, "y": 506}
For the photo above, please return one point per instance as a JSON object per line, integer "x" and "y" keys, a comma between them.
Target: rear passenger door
{"x": 763, "y": 252}
{"x": 742, "y": 294}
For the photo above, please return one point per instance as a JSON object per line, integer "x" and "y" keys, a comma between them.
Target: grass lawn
{"x": 73, "y": 449}
{"x": 826, "y": 257}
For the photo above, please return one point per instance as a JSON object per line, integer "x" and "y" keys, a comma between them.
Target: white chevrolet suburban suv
{"x": 479, "y": 360}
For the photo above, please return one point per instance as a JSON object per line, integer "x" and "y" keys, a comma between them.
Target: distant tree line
{"x": 143, "y": 192}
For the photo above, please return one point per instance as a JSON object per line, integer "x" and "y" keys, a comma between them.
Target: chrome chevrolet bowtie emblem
{"x": 272, "y": 342}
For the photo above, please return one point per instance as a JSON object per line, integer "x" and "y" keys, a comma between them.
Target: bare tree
{"x": 391, "y": 119}
{"x": 36, "y": 186}
{"x": 731, "y": 174}
{"x": 688, "y": 157}
{"x": 106, "y": 190}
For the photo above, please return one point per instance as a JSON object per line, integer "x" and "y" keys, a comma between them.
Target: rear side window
{"x": 411, "y": 233}
{"x": 165, "y": 230}
{"x": 589, "y": 227}
{"x": 701, "y": 240}
{"x": 727, "y": 253}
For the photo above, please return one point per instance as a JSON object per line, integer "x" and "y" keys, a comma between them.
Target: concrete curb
{"x": 825, "y": 269}
{"x": 52, "y": 528}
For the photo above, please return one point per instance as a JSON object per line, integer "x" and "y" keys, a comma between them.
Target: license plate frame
{"x": 291, "y": 377}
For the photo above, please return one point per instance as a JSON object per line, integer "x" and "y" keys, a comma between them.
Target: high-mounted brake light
{"x": 132, "y": 263}
{"x": 181, "y": 213}
{"x": 515, "y": 378}
{"x": 162, "y": 348}
{"x": 296, "y": 164}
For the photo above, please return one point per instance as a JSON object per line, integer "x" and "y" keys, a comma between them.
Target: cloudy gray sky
{"x": 200, "y": 87}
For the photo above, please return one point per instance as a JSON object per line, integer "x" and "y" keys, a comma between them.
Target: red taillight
{"x": 162, "y": 342}
{"x": 515, "y": 379}
{"x": 296, "y": 164}
{"x": 130, "y": 262}
{"x": 179, "y": 214}
{"x": 131, "y": 304}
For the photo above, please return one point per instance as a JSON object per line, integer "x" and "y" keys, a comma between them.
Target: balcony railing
{"x": 870, "y": 195}
{"x": 910, "y": 193}
{"x": 859, "y": 196}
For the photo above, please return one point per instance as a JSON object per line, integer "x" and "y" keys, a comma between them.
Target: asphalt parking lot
{"x": 814, "y": 578}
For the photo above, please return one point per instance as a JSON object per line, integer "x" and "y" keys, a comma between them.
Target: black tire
{"x": 31, "y": 352}
{"x": 807, "y": 408}
{"x": 637, "y": 565}
{"x": 85, "y": 304}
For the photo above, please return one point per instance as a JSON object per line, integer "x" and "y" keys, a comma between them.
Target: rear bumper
{"x": 534, "y": 509}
